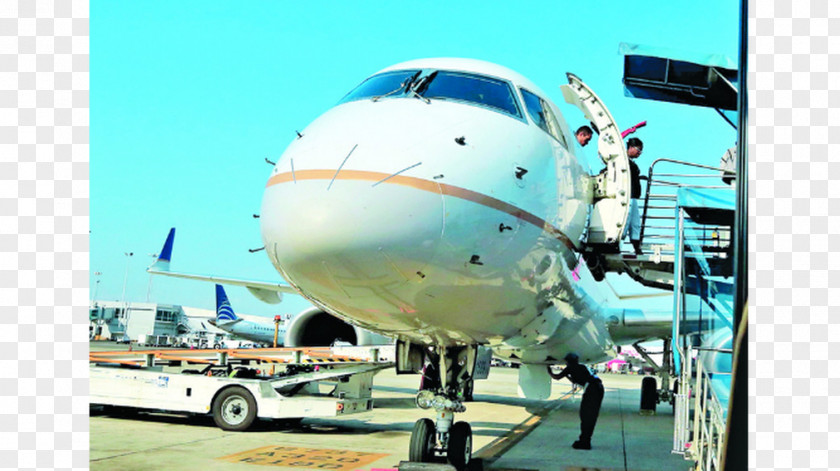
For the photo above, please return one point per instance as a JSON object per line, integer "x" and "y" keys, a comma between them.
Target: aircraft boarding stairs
{"x": 702, "y": 360}
{"x": 708, "y": 231}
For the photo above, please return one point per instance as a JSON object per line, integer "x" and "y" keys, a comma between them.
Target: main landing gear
{"x": 431, "y": 441}
{"x": 651, "y": 395}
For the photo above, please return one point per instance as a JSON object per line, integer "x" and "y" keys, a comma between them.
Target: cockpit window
{"x": 540, "y": 112}
{"x": 493, "y": 93}
{"x": 388, "y": 84}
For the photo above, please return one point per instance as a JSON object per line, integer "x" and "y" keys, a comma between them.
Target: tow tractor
{"x": 237, "y": 387}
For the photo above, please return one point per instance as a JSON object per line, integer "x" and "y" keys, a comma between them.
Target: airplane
{"x": 443, "y": 202}
{"x": 257, "y": 330}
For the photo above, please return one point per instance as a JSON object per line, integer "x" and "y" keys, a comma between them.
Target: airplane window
{"x": 486, "y": 91}
{"x": 540, "y": 112}
{"x": 386, "y": 84}
{"x": 535, "y": 110}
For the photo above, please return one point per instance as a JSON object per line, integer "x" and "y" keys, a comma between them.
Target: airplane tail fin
{"x": 224, "y": 313}
{"x": 162, "y": 262}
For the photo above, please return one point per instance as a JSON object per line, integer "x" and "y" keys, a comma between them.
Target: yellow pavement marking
{"x": 500, "y": 445}
{"x": 308, "y": 458}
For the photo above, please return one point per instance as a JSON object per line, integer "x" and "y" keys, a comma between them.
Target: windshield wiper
{"x": 405, "y": 85}
{"x": 421, "y": 86}
{"x": 417, "y": 95}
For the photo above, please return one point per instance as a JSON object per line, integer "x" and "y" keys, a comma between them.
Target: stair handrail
{"x": 652, "y": 181}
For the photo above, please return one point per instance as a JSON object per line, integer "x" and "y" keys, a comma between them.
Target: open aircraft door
{"x": 611, "y": 195}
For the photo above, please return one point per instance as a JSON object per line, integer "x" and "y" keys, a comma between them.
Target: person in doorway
{"x": 634, "y": 220}
{"x": 590, "y": 404}
{"x": 583, "y": 135}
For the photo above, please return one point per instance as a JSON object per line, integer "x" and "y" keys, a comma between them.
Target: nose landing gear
{"x": 431, "y": 441}
{"x": 442, "y": 439}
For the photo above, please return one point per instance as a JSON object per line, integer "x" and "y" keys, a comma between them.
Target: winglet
{"x": 162, "y": 262}
{"x": 224, "y": 312}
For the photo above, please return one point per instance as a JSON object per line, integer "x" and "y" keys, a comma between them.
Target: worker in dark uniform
{"x": 590, "y": 404}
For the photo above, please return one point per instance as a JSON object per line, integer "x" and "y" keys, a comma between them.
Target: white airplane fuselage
{"x": 255, "y": 331}
{"x": 382, "y": 217}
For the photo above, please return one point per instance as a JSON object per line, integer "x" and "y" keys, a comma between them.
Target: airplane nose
{"x": 360, "y": 231}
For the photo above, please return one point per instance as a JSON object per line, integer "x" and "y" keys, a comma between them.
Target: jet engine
{"x": 316, "y": 328}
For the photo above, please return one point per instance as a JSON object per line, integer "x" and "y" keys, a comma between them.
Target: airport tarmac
{"x": 509, "y": 433}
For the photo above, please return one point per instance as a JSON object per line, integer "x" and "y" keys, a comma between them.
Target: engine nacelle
{"x": 316, "y": 328}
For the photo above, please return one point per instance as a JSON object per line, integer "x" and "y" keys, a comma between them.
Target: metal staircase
{"x": 707, "y": 230}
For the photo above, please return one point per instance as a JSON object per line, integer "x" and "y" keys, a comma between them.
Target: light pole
{"x": 149, "y": 290}
{"x": 96, "y": 289}
{"x": 125, "y": 278}
{"x": 125, "y": 282}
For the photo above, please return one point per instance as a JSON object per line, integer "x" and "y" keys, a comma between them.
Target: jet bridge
{"x": 696, "y": 227}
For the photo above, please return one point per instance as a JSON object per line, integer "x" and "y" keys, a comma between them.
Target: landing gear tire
{"x": 459, "y": 449}
{"x": 649, "y": 395}
{"x": 422, "y": 446}
{"x": 234, "y": 409}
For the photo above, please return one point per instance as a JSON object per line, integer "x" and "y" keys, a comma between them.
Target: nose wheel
{"x": 423, "y": 442}
{"x": 455, "y": 445}
{"x": 459, "y": 448}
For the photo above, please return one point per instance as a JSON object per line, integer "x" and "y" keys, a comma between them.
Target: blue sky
{"x": 188, "y": 98}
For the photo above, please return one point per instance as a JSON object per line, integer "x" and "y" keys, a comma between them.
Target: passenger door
{"x": 611, "y": 195}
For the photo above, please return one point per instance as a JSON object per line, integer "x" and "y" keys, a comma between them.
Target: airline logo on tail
{"x": 224, "y": 313}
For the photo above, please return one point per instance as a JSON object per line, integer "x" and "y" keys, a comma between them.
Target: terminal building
{"x": 132, "y": 321}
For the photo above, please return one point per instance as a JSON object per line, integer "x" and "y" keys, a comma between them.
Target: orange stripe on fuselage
{"x": 425, "y": 185}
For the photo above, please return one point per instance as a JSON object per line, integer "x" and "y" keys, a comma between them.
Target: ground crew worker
{"x": 590, "y": 404}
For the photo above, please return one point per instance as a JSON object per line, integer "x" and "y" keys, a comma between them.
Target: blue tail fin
{"x": 224, "y": 313}
{"x": 162, "y": 262}
{"x": 166, "y": 251}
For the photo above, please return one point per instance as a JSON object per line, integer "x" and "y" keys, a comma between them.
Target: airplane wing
{"x": 266, "y": 291}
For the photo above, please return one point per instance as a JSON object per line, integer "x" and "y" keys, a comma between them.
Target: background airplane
{"x": 257, "y": 330}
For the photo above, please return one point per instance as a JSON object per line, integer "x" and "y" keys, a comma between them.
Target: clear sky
{"x": 188, "y": 98}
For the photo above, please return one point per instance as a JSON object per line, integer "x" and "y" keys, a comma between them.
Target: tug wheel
{"x": 234, "y": 409}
